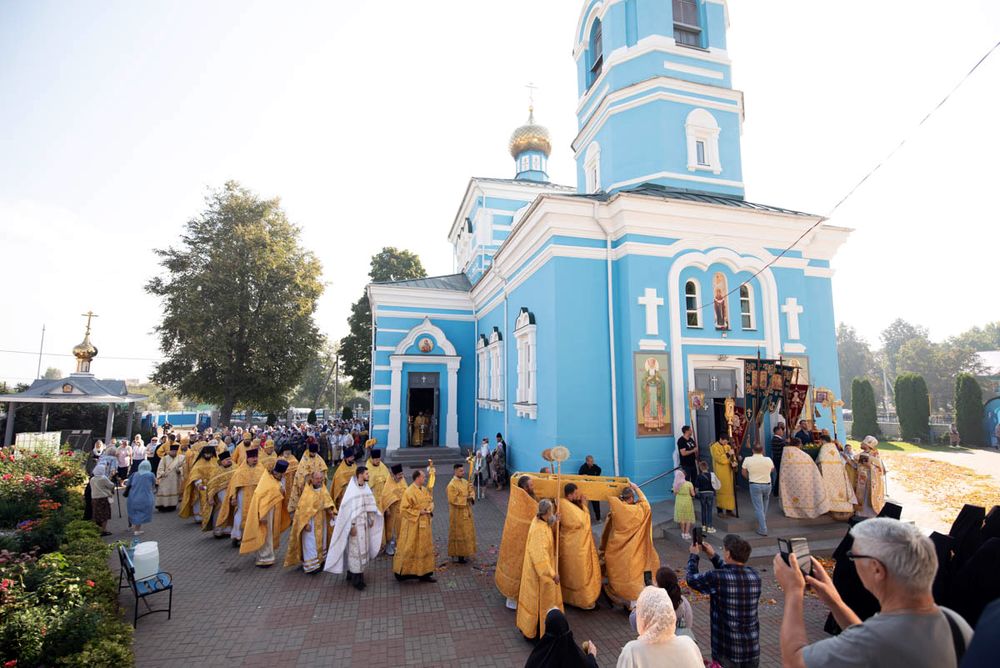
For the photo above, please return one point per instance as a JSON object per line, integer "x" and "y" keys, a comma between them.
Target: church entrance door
{"x": 422, "y": 405}
{"x": 717, "y": 384}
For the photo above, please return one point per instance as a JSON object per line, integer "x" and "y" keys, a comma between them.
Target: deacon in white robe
{"x": 357, "y": 532}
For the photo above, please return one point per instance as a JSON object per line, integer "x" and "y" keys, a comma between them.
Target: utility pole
{"x": 336, "y": 382}
{"x": 41, "y": 346}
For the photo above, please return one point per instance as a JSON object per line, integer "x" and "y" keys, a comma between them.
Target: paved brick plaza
{"x": 227, "y": 612}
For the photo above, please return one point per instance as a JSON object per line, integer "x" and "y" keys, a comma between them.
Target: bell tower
{"x": 656, "y": 103}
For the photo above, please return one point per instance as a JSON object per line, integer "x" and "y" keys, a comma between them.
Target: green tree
{"x": 311, "y": 418}
{"x": 855, "y": 358}
{"x": 389, "y": 264}
{"x": 969, "y": 409}
{"x": 912, "y": 406}
{"x": 318, "y": 385}
{"x": 239, "y": 295}
{"x": 865, "y": 421}
{"x": 53, "y": 373}
{"x": 980, "y": 339}
{"x": 893, "y": 337}
{"x": 347, "y": 413}
{"x": 938, "y": 363}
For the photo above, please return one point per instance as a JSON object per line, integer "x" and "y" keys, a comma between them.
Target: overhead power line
{"x": 134, "y": 359}
{"x": 868, "y": 175}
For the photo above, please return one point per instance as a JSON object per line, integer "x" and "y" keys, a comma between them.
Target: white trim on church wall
{"x": 388, "y": 313}
{"x": 690, "y": 69}
{"x": 736, "y": 262}
{"x": 425, "y": 327}
{"x": 396, "y": 395}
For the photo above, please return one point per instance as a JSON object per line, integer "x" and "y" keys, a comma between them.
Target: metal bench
{"x": 154, "y": 584}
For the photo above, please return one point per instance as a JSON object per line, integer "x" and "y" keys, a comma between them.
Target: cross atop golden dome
{"x": 85, "y": 351}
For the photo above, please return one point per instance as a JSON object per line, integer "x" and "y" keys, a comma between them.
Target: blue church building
{"x": 583, "y": 316}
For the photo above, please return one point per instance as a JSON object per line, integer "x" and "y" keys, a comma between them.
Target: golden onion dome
{"x": 85, "y": 350}
{"x": 530, "y": 137}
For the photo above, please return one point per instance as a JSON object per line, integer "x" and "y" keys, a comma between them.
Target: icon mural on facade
{"x": 652, "y": 392}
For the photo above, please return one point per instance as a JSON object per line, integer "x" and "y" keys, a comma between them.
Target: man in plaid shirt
{"x": 734, "y": 588}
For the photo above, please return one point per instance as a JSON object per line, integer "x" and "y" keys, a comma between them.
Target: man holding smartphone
{"x": 734, "y": 589}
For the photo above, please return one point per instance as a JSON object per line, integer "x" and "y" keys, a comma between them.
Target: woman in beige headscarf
{"x": 658, "y": 644}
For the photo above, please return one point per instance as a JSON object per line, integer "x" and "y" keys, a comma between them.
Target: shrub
{"x": 272, "y": 419}
{"x": 969, "y": 409}
{"x": 311, "y": 418}
{"x": 863, "y": 405}
{"x": 347, "y": 413}
{"x": 912, "y": 406}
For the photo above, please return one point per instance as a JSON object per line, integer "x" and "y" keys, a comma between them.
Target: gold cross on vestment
{"x": 89, "y": 315}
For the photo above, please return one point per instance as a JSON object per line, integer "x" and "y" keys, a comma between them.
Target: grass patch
{"x": 906, "y": 446}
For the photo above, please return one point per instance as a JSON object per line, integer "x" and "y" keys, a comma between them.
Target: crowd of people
{"x": 838, "y": 481}
{"x": 250, "y": 486}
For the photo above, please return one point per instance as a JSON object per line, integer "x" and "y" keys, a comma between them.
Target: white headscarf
{"x": 655, "y": 618}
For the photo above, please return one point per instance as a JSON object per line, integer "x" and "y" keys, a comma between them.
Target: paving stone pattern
{"x": 227, "y": 612}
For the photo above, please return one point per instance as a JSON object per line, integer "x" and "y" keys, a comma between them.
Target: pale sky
{"x": 368, "y": 119}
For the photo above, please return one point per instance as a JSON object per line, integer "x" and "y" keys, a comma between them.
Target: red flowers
{"x": 10, "y": 664}
{"x": 5, "y": 584}
{"x": 90, "y": 583}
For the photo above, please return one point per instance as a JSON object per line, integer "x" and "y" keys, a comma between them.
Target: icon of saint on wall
{"x": 720, "y": 300}
{"x": 653, "y": 416}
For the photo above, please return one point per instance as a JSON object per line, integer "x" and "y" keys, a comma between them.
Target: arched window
{"x": 702, "y": 142}
{"x": 592, "y": 168}
{"x": 595, "y": 53}
{"x": 692, "y": 303}
{"x": 687, "y": 23}
{"x": 746, "y": 308}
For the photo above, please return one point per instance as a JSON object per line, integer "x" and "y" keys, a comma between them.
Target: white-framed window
{"x": 527, "y": 368}
{"x": 592, "y": 167}
{"x": 525, "y": 162}
{"x": 692, "y": 303}
{"x": 484, "y": 369}
{"x": 746, "y": 307}
{"x": 496, "y": 365}
{"x": 703, "y": 142}
{"x": 536, "y": 163}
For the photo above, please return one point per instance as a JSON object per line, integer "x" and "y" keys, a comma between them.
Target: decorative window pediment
{"x": 702, "y": 142}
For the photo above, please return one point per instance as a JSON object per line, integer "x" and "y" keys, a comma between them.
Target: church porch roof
{"x": 455, "y": 282}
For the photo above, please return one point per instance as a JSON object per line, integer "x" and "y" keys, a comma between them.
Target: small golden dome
{"x": 85, "y": 350}
{"x": 530, "y": 137}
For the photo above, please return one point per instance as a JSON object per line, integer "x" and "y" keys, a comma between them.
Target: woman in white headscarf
{"x": 658, "y": 644}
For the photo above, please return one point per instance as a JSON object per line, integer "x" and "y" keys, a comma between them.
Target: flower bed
{"x": 58, "y": 598}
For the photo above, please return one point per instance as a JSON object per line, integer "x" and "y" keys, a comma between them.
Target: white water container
{"x": 146, "y": 560}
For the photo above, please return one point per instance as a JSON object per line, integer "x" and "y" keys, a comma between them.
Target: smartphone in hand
{"x": 798, "y": 549}
{"x": 697, "y": 537}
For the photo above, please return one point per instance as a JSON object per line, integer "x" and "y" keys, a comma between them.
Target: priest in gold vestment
{"x": 461, "y": 526}
{"x": 218, "y": 483}
{"x": 378, "y": 472}
{"x": 310, "y": 462}
{"x": 839, "y": 490}
{"x": 343, "y": 474}
{"x": 521, "y": 509}
{"x": 627, "y": 545}
{"x": 539, "y": 588}
{"x": 194, "y": 499}
{"x": 239, "y": 493}
{"x": 803, "y": 493}
{"x": 723, "y": 457}
{"x": 579, "y": 565}
{"x": 388, "y": 503}
{"x": 240, "y": 451}
{"x": 310, "y": 535}
{"x": 265, "y": 519}
{"x": 414, "y": 556}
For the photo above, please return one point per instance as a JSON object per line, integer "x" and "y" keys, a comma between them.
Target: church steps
{"x": 417, "y": 457}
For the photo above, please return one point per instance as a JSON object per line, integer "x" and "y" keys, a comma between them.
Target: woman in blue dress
{"x": 141, "y": 487}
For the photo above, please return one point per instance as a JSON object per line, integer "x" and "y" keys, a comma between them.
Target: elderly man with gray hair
{"x": 897, "y": 564}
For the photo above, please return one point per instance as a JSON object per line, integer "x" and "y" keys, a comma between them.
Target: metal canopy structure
{"x": 80, "y": 387}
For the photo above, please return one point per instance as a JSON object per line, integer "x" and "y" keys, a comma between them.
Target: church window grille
{"x": 527, "y": 347}
{"x": 596, "y": 52}
{"x": 702, "y": 142}
{"x": 692, "y": 304}
{"x": 687, "y": 23}
{"x": 746, "y": 307}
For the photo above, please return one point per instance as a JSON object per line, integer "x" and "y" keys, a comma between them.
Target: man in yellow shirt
{"x": 757, "y": 469}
